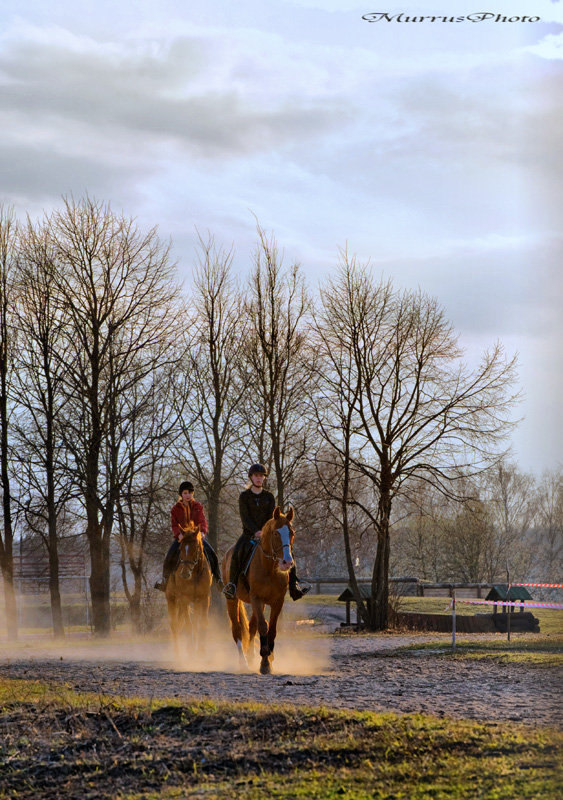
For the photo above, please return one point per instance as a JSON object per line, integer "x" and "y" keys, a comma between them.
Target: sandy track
{"x": 363, "y": 672}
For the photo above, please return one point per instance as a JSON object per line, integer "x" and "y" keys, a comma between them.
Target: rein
{"x": 193, "y": 563}
{"x": 272, "y": 556}
{"x": 190, "y": 564}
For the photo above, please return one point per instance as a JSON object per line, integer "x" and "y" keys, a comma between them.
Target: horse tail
{"x": 239, "y": 623}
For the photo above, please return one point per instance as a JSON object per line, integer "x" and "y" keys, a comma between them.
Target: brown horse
{"x": 268, "y": 579}
{"x": 188, "y": 592}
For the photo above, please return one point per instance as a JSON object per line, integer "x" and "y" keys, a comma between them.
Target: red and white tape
{"x": 511, "y": 603}
{"x": 545, "y": 585}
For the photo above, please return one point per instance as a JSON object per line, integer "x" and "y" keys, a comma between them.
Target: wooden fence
{"x": 407, "y": 586}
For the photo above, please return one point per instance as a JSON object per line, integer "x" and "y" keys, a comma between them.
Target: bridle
{"x": 273, "y": 556}
{"x": 187, "y": 566}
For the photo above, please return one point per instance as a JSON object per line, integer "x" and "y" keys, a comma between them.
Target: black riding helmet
{"x": 257, "y": 469}
{"x": 186, "y": 485}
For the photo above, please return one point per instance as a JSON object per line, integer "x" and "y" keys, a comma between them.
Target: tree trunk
{"x": 361, "y": 606}
{"x": 54, "y": 590}
{"x": 213, "y": 514}
{"x": 99, "y": 584}
{"x": 53, "y": 547}
{"x": 379, "y": 606}
{"x": 133, "y": 597}
{"x": 10, "y": 604}
{"x": 378, "y": 611}
{"x": 362, "y": 610}
{"x": 7, "y": 556}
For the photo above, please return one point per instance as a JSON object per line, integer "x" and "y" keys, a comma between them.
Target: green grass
{"x": 79, "y": 744}
{"x": 551, "y": 619}
{"x": 323, "y": 600}
{"x": 532, "y": 649}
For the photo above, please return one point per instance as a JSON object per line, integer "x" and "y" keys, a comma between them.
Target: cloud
{"x": 430, "y": 150}
{"x": 551, "y": 47}
{"x": 29, "y": 172}
{"x": 152, "y": 93}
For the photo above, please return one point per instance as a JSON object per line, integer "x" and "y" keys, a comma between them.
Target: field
{"x": 344, "y": 716}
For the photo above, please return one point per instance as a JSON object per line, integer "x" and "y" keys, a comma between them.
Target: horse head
{"x": 278, "y": 536}
{"x": 191, "y": 551}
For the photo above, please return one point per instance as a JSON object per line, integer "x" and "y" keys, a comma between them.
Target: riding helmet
{"x": 186, "y": 485}
{"x": 257, "y": 469}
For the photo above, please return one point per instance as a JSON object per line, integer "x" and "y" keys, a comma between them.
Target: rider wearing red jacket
{"x": 183, "y": 512}
{"x": 187, "y": 510}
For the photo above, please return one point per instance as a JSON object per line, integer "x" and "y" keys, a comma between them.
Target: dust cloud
{"x": 296, "y": 652}
{"x": 299, "y": 649}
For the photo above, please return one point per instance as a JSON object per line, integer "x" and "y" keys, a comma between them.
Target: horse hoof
{"x": 265, "y": 667}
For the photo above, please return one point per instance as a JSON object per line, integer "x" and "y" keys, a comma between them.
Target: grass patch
{"x": 59, "y": 743}
{"x": 323, "y": 600}
{"x": 532, "y": 649}
{"x": 551, "y": 620}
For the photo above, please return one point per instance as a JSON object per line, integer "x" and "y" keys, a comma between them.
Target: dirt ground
{"x": 352, "y": 671}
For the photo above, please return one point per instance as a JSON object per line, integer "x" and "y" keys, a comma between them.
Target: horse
{"x": 188, "y": 592}
{"x": 266, "y": 583}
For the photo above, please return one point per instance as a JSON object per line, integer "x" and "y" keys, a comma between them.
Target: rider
{"x": 187, "y": 509}
{"x": 256, "y": 507}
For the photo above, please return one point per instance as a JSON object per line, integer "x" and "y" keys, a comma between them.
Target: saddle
{"x": 252, "y": 545}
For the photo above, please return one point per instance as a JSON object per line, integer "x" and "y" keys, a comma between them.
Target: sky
{"x": 430, "y": 147}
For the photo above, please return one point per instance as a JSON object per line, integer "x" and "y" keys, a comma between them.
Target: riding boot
{"x": 213, "y": 562}
{"x": 296, "y": 590}
{"x": 234, "y": 571}
{"x": 170, "y": 562}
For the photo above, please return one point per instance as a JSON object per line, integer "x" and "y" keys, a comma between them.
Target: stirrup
{"x": 230, "y": 591}
{"x": 298, "y": 590}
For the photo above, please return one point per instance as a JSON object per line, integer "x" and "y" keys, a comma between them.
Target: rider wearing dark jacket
{"x": 256, "y": 507}
{"x": 255, "y": 510}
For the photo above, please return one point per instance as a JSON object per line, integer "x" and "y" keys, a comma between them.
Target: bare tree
{"x": 210, "y": 392}
{"x": 277, "y": 355}
{"x": 38, "y": 389}
{"x": 510, "y": 498}
{"x": 419, "y": 533}
{"x": 474, "y": 536}
{"x": 118, "y": 293}
{"x": 415, "y": 409}
{"x": 339, "y": 389}
{"x": 549, "y": 534}
{"x": 8, "y": 246}
{"x": 146, "y": 428}
{"x": 469, "y": 532}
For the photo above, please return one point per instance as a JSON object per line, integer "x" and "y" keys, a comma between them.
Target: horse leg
{"x": 252, "y": 629}
{"x": 201, "y": 612}
{"x": 275, "y": 611}
{"x": 258, "y": 612}
{"x": 183, "y": 625}
{"x": 237, "y": 616}
{"x": 173, "y": 623}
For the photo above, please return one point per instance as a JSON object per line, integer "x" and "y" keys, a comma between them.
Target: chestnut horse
{"x": 188, "y": 592}
{"x": 268, "y": 579}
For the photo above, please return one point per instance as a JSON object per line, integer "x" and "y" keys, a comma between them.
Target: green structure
{"x": 500, "y": 593}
